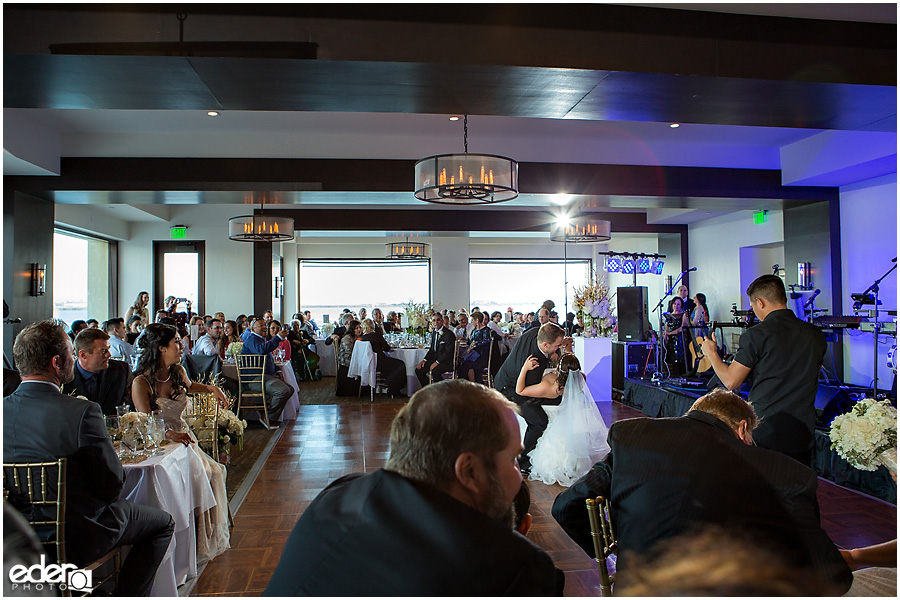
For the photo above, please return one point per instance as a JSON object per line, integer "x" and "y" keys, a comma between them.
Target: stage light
{"x": 657, "y": 267}
{"x": 628, "y": 266}
{"x": 643, "y": 265}
{"x": 613, "y": 264}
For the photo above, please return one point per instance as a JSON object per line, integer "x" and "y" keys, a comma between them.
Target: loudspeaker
{"x": 631, "y": 359}
{"x": 831, "y": 401}
{"x": 634, "y": 322}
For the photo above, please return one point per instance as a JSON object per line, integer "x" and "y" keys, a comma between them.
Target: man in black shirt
{"x": 782, "y": 355}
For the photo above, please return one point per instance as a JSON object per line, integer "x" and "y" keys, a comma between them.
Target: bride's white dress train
{"x": 574, "y": 440}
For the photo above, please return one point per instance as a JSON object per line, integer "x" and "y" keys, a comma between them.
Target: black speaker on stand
{"x": 634, "y": 321}
{"x": 831, "y": 401}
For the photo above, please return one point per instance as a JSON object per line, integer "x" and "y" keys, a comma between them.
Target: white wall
{"x": 714, "y": 246}
{"x": 868, "y": 243}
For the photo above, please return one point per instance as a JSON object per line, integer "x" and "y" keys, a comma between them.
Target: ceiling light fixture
{"x": 454, "y": 118}
{"x": 260, "y": 228}
{"x": 581, "y": 229}
{"x": 466, "y": 178}
{"x": 675, "y": 125}
{"x": 406, "y": 250}
{"x": 212, "y": 113}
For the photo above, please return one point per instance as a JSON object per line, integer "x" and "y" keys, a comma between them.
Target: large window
{"x": 180, "y": 272}
{"x": 525, "y": 284}
{"x": 81, "y": 277}
{"x": 327, "y": 287}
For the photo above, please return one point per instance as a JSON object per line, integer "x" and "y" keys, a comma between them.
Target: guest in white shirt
{"x": 465, "y": 328}
{"x": 208, "y": 345}
{"x": 118, "y": 347}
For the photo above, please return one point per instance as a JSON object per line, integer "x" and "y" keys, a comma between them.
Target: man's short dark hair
{"x": 442, "y": 421}
{"x": 77, "y": 325}
{"x": 84, "y": 341}
{"x": 110, "y": 324}
{"x": 549, "y": 333}
{"x": 134, "y": 319}
{"x": 37, "y": 344}
{"x": 728, "y": 407}
{"x": 769, "y": 288}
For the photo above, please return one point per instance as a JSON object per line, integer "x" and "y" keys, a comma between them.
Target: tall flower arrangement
{"x": 593, "y": 303}
{"x": 417, "y": 317}
{"x": 867, "y": 435}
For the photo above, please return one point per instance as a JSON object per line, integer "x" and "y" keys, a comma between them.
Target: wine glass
{"x": 112, "y": 427}
{"x": 157, "y": 431}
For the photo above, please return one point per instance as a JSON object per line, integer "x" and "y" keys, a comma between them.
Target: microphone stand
{"x": 659, "y": 334}
{"x": 877, "y": 329}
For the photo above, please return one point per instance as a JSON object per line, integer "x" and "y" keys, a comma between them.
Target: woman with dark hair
{"x": 475, "y": 360}
{"x": 700, "y": 316}
{"x": 229, "y": 336}
{"x": 346, "y": 386}
{"x": 575, "y": 438}
{"x": 161, "y": 383}
{"x": 139, "y": 308}
{"x": 675, "y": 322}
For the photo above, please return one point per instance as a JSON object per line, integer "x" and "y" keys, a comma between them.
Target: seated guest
{"x": 134, "y": 327}
{"x": 340, "y": 331}
{"x": 220, "y": 316}
{"x": 390, "y": 324}
{"x": 453, "y": 322}
{"x": 529, "y": 319}
{"x": 345, "y": 385}
{"x": 139, "y": 309}
{"x": 571, "y": 326}
{"x": 392, "y": 369}
{"x": 108, "y": 383}
{"x": 554, "y": 317}
{"x": 42, "y": 424}
{"x": 464, "y": 328}
{"x": 229, "y": 336}
{"x": 275, "y": 329}
{"x": 307, "y": 318}
{"x": 208, "y": 345}
{"x": 119, "y": 348}
{"x": 76, "y": 328}
{"x": 435, "y": 521}
{"x": 519, "y": 318}
{"x": 475, "y": 360}
{"x": 277, "y": 391}
{"x": 93, "y": 323}
{"x": 362, "y": 314}
{"x": 543, "y": 316}
{"x": 439, "y": 358}
{"x": 306, "y": 327}
{"x": 378, "y": 320}
{"x": 240, "y": 320}
{"x": 301, "y": 349}
{"x": 664, "y": 477}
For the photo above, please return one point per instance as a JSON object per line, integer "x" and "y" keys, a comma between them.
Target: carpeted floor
{"x": 255, "y": 439}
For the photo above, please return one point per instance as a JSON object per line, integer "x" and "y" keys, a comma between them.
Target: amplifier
{"x": 631, "y": 359}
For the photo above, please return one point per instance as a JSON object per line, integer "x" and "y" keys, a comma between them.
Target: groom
{"x": 539, "y": 342}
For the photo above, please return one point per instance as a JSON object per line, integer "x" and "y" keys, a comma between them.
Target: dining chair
{"x": 605, "y": 544}
{"x": 363, "y": 365}
{"x": 200, "y": 367}
{"x": 453, "y": 373}
{"x": 486, "y": 374}
{"x": 205, "y": 408}
{"x": 251, "y": 370}
{"x": 44, "y": 485}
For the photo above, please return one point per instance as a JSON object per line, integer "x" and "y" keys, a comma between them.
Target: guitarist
{"x": 699, "y": 329}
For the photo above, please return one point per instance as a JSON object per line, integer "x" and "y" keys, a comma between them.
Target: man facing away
{"x": 108, "y": 383}
{"x": 782, "y": 356}
{"x": 41, "y": 424}
{"x": 118, "y": 343}
{"x": 435, "y": 521}
{"x": 667, "y": 477}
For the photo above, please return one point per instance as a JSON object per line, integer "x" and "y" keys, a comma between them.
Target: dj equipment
{"x": 631, "y": 359}
{"x": 831, "y": 401}
{"x": 634, "y": 322}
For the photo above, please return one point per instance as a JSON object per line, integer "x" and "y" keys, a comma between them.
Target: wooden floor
{"x": 327, "y": 442}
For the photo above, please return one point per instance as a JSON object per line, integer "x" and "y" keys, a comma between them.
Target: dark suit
{"x": 505, "y": 381}
{"x": 384, "y": 535}
{"x": 441, "y": 351}
{"x": 40, "y": 424}
{"x": 112, "y": 386}
{"x": 392, "y": 369}
{"x": 664, "y": 476}
{"x": 339, "y": 331}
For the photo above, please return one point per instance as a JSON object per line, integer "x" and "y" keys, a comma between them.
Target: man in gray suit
{"x": 41, "y": 424}
{"x": 108, "y": 383}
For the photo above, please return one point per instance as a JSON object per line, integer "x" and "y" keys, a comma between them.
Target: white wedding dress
{"x": 574, "y": 440}
{"x": 211, "y": 516}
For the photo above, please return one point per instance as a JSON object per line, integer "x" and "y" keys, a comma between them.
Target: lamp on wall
{"x": 279, "y": 286}
{"x": 38, "y": 279}
{"x": 466, "y": 178}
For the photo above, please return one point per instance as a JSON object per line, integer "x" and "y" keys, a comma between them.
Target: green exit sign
{"x": 179, "y": 232}
{"x": 759, "y": 217}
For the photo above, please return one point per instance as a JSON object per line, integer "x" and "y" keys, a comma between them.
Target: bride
{"x": 576, "y": 438}
{"x": 161, "y": 383}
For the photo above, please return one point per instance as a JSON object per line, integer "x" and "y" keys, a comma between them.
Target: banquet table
{"x": 164, "y": 482}
{"x": 292, "y": 408}
{"x": 410, "y": 357}
{"x": 326, "y": 358}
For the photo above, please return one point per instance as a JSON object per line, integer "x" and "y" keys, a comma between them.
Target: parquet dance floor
{"x": 326, "y": 442}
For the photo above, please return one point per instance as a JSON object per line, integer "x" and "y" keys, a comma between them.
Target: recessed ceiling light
{"x": 213, "y": 113}
{"x": 675, "y": 125}
{"x": 454, "y": 118}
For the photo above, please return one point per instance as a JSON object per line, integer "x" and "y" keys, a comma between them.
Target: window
{"x": 525, "y": 284}
{"x": 327, "y": 287}
{"x": 81, "y": 277}
{"x": 180, "y": 272}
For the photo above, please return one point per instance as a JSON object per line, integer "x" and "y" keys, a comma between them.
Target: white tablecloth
{"x": 410, "y": 357}
{"x": 292, "y": 408}
{"x": 164, "y": 482}
{"x": 326, "y": 358}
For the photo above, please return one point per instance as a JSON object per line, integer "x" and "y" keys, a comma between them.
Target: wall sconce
{"x": 38, "y": 279}
{"x": 279, "y": 287}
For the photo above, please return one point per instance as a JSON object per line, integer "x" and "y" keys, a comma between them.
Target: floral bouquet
{"x": 233, "y": 349}
{"x": 231, "y": 429}
{"x": 593, "y": 303}
{"x": 867, "y": 435}
{"x": 134, "y": 420}
{"x": 417, "y": 317}
{"x": 327, "y": 329}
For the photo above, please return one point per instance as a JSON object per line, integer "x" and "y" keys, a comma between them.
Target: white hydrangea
{"x": 865, "y": 432}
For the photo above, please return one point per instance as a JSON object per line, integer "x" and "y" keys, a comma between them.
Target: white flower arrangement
{"x": 866, "y": 434}
{"x": 417, "y": 316}
{"x": 233, "y": 349}
{"x": 327, "y": 329}
{"x": 131, "y": 420}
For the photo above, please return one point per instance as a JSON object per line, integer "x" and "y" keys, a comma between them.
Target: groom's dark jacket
{"x": 664, "y": 477}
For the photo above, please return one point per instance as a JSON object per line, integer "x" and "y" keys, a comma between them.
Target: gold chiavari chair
{"x": 251, "y": 370}
{"x": 205, "y": 409}
{"x": 452, "y": 373}
{"x": 604, "y": 540}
